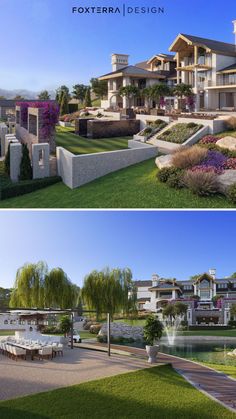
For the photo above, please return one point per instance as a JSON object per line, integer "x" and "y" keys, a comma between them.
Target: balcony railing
{"x": 226, "y": 80}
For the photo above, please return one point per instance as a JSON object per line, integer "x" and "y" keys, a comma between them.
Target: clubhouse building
{"x": 209, "y": 66}
{"x": 208, "y": 298}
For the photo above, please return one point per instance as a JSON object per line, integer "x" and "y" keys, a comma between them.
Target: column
{"x": 126, "y": 82}
{"x": 177, "y": 66}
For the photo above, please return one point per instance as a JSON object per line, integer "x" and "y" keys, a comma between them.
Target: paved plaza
{"x": 20, "y": 378}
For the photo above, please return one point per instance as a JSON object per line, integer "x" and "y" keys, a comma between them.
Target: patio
{"x": 76, "y": 366}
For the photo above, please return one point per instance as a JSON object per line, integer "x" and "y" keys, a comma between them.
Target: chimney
{"x": 212, "y": 272}
{"x": 234, "y": 31}
{"x": 155, "y": 280}
{"x": 119, "y": 61}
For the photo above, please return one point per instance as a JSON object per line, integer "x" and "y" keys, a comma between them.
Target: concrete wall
{"x": 105, "y": 129}
{"x": 81, "y": 169}
{"x": 15, "y": 160}
{"x": 144, "y": 118}
{"x": 3, "y": 132}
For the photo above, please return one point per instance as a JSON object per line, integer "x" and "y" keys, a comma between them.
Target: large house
{"x": 209, "y": 66}
{"x": 198, "y": 294}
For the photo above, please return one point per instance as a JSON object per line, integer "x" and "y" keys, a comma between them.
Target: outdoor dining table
{"x": 31, "y": 349}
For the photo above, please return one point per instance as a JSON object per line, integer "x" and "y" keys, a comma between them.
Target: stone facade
{"x": 105, "y": 129}
{"x": 123, "y": 330}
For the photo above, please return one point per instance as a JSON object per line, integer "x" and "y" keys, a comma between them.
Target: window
{"x": 224, "y": 285}
{"x": 188, "y": 287}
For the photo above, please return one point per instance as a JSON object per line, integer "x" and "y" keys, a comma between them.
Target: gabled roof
{"x": 143, "y": 64}
{"x": 229, "y": 68}
{"x": 215, "y": 46}
{"x": 143, "y": 283}
{"x": 132, "y": 70}
{"x": 168, "y": 57}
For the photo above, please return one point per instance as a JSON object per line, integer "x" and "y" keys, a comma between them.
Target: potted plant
{"x": 152, "y": 332}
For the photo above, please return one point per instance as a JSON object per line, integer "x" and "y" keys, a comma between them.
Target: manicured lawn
{"x": 66, "y": 138}
{"x": 230, "y": 333}
{"x": 157, "y": 392}
{"x": 133, "y": 187}
{"x": 6, "y": 333}
{"x": 85, "y": 334}
{"x": 226, "y": 369}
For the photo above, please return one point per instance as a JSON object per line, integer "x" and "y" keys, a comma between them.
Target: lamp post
{"x": 72, "y": 331}
{"x": 108, "y": 334}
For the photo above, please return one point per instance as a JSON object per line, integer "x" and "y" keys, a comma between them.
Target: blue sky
{"x": 170, "y": 243}
{"x": 45, "y": 45}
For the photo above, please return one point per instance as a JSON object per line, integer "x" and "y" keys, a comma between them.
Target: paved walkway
{"x": 20, "y": 378}
{"x": 216, "y": 384}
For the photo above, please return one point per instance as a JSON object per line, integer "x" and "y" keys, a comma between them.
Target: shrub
{"x": 201, "y": 183}
{"x": 189, "y": 157}
{"x": 86, "y": 325}
{"x": 230, "y": 163}
{"x": 25, "y": 165}
{"x": 231, "y": 123}
{"x": 27, "y": 186}
{"x": 208, "y": 139}
{"x": 191, "y": 125}
{"x": 147, "y": 131}
{"x": 232, "y": 323}
{"x": 175, "y": 180}
{"x": 95, "y": 328}
{"x": 231, "y": 193}
{"x": 207, "y": 169}
{"x": 7, "y": 161}
{"x": 164, "y": 173}
{"x": 152, "y": 330}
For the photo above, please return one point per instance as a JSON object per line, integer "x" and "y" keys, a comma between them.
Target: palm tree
{"x": 159, "y": 91}
{"x": 182, "y": 90}
{"x": 129, "y": 92}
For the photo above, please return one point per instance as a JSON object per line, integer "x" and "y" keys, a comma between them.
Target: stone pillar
{"x": 3, "y": 133}
{"x": 177, "y": 65}
{"x": 40, "y": 160}
{"x": 15, "y": 160}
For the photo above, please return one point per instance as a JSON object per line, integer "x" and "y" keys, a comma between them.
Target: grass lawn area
{"x": 85, "y": 334}
{"x": 226, "y": 369}
{"x": 6, "y": 332}
{"x": 66, "y": 138}
{"x": 137, "y": 322}
{"x": 230, "y": 333}
{"x": 157, "y": 392}
{"x": 133, "y": 187}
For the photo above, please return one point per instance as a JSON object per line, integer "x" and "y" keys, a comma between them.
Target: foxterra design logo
{"x": 123, "y": 10}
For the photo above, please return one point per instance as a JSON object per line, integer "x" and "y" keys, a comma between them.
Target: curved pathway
{"x": 216, "y": 385}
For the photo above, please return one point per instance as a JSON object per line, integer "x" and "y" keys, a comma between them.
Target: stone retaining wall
{"x": 105, "y": 129}
{"x": 77, "y": 170}
{"x": 123, "y": 330}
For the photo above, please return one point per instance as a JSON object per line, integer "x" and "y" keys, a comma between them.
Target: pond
{"x": 213, "y": 352}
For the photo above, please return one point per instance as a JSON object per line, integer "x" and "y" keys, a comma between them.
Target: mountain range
{"x": 26, "y": 94}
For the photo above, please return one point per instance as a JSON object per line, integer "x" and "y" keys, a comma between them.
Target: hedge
{"x": 27, "y": 186}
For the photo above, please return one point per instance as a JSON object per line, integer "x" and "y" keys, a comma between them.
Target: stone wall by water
{"x": 123, "y": 330}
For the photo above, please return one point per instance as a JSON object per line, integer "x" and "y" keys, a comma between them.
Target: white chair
{"x": 45, "y": 352}
{"x": 58, "y": 349}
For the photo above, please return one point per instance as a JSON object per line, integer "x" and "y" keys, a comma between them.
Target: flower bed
{"x": 179, "y": 133}
{"x": 153, "y": 127}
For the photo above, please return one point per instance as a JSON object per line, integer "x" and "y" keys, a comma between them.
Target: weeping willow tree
{"x": 35, "y": 286}
{"x": 110, "y": 291}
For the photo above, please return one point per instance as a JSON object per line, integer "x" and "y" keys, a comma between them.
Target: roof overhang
{"x": 179, "y": 42}
{"x": 152, "y": 75}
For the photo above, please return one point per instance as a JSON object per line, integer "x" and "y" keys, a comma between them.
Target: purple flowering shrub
{"x": 208, "y": 139}
{"x": 50, "y": 116}
{"x": 213, "y": 162}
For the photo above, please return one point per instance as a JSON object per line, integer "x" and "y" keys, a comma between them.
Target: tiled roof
{"x": 216, "y": 46}
{"x": 143, "y": 64}
{"x": 143, "y": 283}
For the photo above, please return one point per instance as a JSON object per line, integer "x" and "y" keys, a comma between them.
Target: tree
{"x": 64, "y": 109}
{"x": 233, "y": 310}
{"x": 152, "y": 330}
{"x": 79, "y": 91}
{"x": 65, "y": 325}
{"x": 180, "y": 308}
{"x": 169, "y": 311}
{"x": 7, "y": 161}
{"x": 25, "y": 165}
{"x": 195, "y": 277}
{"x": 129, "y": 92}
{"x": 35, "y": 286}
{"x": 19, "y": 97}
{"x": 158, "y": 91}
{"x": 62, "y": 90}
{"x": 4, "y": 297}
{"x": 2, "y": 97}
{"x": 87, "y": 99}
{"x": 233, "y": 275}
{"x": 99, "y": 87}
{"x": 109, "y": 291}
{"x": 147, "y": 93}
{"x": 182, "y": 90}
{"x": 44, "y": 95}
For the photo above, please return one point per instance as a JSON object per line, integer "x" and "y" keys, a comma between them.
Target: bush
{"x": 189, "y": 157}
{"x": 164, "y": 173}
{"x": 191, "y": 125}
{"x": 175, "y": 180}
{"x": 27, "y": 186}
{"x": 95, "y": 328}
{"x": 232, "y": 323}
{"x": 201, "y": 183}
{"x": 230, "y": 163}
{"x": 208, "y": 139}
{"x": 231, "y": 123}
{"x": 231, "y": 193}
{"x": 25, "y": 165}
